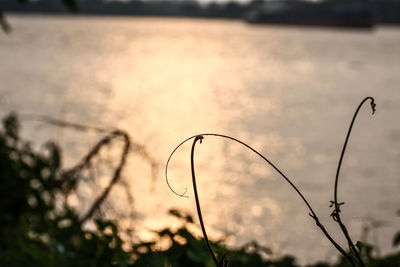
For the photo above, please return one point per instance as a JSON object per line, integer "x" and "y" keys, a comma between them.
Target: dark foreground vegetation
{"x": 38, "y": 228}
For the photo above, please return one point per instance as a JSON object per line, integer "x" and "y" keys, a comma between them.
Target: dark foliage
{"x": 37, "y": 227}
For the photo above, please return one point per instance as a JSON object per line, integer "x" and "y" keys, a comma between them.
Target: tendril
{"x": 312, "y": 213}
{"x": 336, "y": 212}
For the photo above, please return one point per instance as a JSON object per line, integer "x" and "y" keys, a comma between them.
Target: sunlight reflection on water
{"x": 288, "y": 92}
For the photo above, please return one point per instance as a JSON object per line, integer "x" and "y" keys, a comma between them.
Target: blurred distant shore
{"x": 385, "y": 11}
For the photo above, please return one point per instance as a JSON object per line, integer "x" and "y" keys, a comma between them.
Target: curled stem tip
{"x": 197, "y": 138}
{"x": 372, "y": 102}
{"x": 167, "y": 165}
{"x": 200, "y": 138}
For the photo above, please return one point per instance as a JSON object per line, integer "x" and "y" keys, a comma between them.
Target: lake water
{"x": 289, "y": 92}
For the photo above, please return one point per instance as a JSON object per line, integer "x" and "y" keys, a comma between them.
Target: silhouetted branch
{"x": 336, "y": 213}
{"x": 71, "y": 175}
{"x": 117, "y": 173}
{"x": 66, "y": 124}
{"x": 312, "y": 213}
{"x": 196, "y": 196}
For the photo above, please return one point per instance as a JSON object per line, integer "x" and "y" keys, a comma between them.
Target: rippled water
{"x": 289, "y": 92}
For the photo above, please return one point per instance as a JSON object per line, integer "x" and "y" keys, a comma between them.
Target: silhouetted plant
{"x": 336, "y": 212}
{"x": 37, "y": 226}
{"x": 354, "y": 257}
{"x": 72, "y": 175}
{"x": 38, "y": 229}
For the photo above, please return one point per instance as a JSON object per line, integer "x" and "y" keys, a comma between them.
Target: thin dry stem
{"x": 196, "y": 197}
{"x": 336, "y": 212}
{"x": 312, "y": 213}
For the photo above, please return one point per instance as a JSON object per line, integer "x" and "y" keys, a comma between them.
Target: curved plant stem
{"x": 312, "y": 213}
{"x": 85, "y": 162}
{"x": 336, "y": 212}
{"x": 111, "y": 134}
{"x": 117, "y": 172}
{"x": 196, "y": 197}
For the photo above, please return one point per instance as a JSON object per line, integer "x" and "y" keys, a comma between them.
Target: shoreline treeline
{"x": 387, "y": 11}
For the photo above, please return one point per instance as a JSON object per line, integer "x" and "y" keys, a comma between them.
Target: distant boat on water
{"x": 333, "y": 13}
